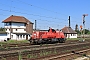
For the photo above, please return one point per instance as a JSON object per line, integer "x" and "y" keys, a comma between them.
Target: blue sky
{"x": 48, "y": 13}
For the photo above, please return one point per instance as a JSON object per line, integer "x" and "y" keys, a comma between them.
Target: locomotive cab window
{"x": 52, "y": 30}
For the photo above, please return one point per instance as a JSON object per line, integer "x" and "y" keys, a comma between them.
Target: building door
{"x": 26, "y": 37}
{"x": 68, "y": 35}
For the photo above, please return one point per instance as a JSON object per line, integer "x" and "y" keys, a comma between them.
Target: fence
{"x": 85, "y": 36}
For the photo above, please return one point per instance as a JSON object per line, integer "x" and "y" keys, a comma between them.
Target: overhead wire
{"x": 44, "y": 9}
{"x": 22, "y": 13}
{"x": 29, "y": 14}
{"x": 46, "y": 23}
{"x": 34, "y": 14}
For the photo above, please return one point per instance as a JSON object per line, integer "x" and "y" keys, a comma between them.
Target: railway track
{"x": 70, "y": 56}
{"x": 69, "y": 53}
{"x": 37, "y": 47}
{"x": 52, "y": 50}
{"x": 28, "y": 44}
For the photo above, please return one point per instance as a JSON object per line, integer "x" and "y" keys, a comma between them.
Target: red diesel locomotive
{"x": 50, "y": 36}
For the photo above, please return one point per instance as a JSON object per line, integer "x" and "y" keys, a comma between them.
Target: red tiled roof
{"x": 19, "y": 19}
{"x": 68, "y": 30}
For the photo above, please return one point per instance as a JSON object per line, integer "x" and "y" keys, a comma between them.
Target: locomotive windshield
{"x": 52, "y": 30}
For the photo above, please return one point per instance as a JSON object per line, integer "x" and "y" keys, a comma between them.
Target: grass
{"x": 73, "y": 38}
{"x": 14, "y": 42}
{"x": 19, "y": 57}
{"x": 77, "y": 38}
{"x": 26, "y": 41}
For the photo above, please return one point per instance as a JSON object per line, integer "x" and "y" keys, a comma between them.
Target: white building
{"x": 18, "y": 27}
{"x": 69, "y": 32}
{"x": 3, "y": 36}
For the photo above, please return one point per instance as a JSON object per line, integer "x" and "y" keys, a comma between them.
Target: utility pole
{"x": 10, "y": 23}
{"x": 10, "y": 30}
{"x": 84, "y": 25}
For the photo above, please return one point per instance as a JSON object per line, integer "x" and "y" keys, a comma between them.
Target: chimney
{"x": 69, "y": 21}
{"x": 35, "y": 24}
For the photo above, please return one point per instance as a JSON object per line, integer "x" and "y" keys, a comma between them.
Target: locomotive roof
{"x": 68, "y": 30}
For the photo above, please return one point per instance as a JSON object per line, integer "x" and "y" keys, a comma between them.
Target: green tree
{"x": 86, "y": 31}
{"x": 2, "y": 29}
{"x": 78, "y": 32}
{"x": 76, "y": 29}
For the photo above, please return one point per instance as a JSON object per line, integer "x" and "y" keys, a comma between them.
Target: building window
{"x": 9, "y": 29}
{"x": 10, "y": 23}
{"x": 6, "y": 29}
{"x": 66, "y": 35}
{"x": 71, "y": 34}
{"x": 11, "y": 36}
{"x": 16, "y": 29}
{"x": 74, "y": 34}
{"x": 5, "y": 24}
{"x": 20, "y": 36}
{"x": 23, "y": 36}
{"x": 24, "y": 29}
{"x": 24, "y": 24}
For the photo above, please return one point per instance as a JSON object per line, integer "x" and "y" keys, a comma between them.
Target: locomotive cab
{"x": 51, "y": 30}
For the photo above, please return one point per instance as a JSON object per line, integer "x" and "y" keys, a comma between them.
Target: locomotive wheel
{"x": 36, "y": 42}
{"x": 61, "y": 40}
{"x": 31, "y": 41}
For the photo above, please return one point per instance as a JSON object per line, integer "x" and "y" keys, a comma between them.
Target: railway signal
{"x": 80, "y": 26}
{"x": 84, "y": 25}
{"x": 81, "y": 30}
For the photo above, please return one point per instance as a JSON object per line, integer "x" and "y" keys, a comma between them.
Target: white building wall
{"x": 3, "y": 37}
{"x": 19, "y": 26}
{"x": 8, "y": 35}
{"x": 68, "y": 35}
{"x": 15, "y": 25}
{"x": 19, "y": 37}
{"x": 8, "y": 30}
{"x": 20, "y": 29}
{"x": 13, "y": 36}
{"x": 71, "y": 36}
